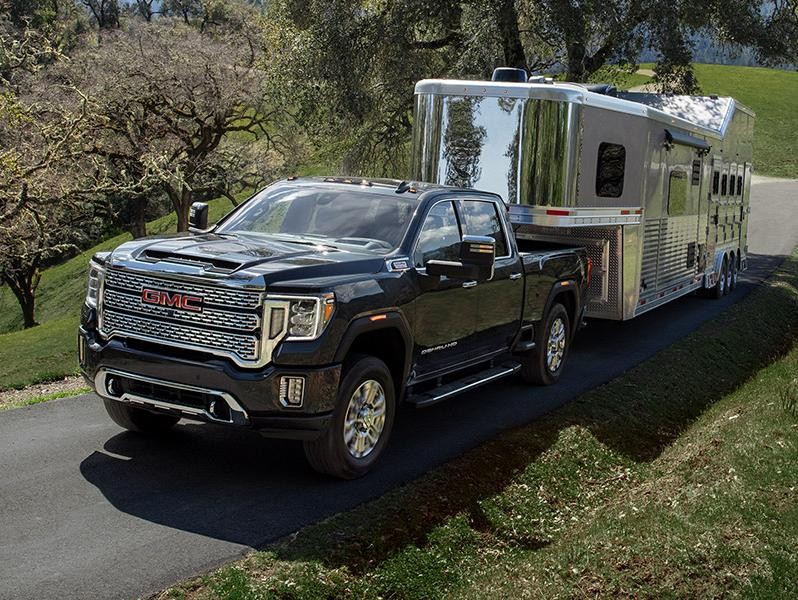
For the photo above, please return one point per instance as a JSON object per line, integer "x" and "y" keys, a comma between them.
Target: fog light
{"x": 292, "y": 390}
{"x": 112, "y": 387}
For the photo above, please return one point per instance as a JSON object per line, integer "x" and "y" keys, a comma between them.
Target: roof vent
{"x": 606, "y": 89}
{"x": 509, "y": 74}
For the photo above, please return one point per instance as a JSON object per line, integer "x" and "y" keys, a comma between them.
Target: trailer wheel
{"x": 720, "y": 285}
{"x": 138, "y": 419}
{"x": 544, "y": 365}
{"x": 733, "y": 271}
{"x": 361, "y": 423}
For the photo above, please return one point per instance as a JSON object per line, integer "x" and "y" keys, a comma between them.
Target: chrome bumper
{"x": 237, "y": 413}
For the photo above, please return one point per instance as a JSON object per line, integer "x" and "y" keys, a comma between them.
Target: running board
{"x": 463, "y": 385}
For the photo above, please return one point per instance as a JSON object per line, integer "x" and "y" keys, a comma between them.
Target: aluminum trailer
{"x": 656, "y": 186}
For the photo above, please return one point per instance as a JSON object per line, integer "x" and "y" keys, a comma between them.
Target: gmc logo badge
{"x": 172, "y": 299}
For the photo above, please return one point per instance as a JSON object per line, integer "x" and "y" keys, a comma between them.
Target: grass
{"x": 771, "y": 94}
{"x": 677, "y": 479}
{"x": 49, "y": 351}
{"x": 44, "y": 398}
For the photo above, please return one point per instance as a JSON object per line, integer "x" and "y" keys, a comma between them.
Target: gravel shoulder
{"x": 71, "y": 386}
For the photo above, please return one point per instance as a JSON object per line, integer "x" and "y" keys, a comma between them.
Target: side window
{"x": 739, "y": 185}
{"x": 724, "y": 185}
{"x": 481, "y": 218}
{"x": 440, "y": 236}
{"x": 677, "y": 194}
{"x": 716, "y": 183}
{"x": 610, "y": 170}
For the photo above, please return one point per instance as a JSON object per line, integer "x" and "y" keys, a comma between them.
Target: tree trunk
{"x": 23, "y": 291}
{"x": 576, "y": 62}
{"x": 138, "y": 223}
{"x": 514, "y": 55}
{"x": 181, "y": 201}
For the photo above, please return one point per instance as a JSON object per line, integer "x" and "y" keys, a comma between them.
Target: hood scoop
{"x": 208, "y": 263}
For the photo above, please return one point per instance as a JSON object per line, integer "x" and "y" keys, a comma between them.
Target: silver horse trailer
{"x": 656, "y": 186}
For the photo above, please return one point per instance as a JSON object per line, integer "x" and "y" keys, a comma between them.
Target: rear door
{"x": 499, "y": 300}
{"x": 445, "y": 309}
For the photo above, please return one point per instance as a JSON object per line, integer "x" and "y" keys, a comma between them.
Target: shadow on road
{"x": 239, "y": 487}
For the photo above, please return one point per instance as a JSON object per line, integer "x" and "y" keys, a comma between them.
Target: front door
{"x": 499, "y": 299}
{"x": 445, "y": 308}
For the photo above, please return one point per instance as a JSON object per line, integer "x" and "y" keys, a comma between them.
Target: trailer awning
{"x": 683, "y": 139}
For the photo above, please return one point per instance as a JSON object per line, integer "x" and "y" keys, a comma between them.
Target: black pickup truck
{"x": 317, "y": 306}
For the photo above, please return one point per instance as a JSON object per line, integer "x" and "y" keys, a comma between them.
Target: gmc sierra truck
{"x": 317, "y": 306}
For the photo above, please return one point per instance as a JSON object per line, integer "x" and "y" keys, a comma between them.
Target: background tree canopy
{"x": 113, "y": 112}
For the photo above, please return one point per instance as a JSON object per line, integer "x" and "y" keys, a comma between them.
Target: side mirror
{"x": 198, "y": 217}
{"x": 477, "y": 257}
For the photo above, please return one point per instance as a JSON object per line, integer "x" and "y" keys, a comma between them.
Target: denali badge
{"x": 173, "y": 299}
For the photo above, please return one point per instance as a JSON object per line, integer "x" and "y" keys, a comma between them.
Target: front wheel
{"x": 361, "y": 422}
{"x": 544, "y": 365}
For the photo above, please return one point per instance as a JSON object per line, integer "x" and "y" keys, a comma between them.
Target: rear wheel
{"x": 544, "y": 365}
{"x": 361, "y": 422}
{"x": 720, "y": 285}
{"x": 138, "y": 419}
{"x": 733, "y": 271}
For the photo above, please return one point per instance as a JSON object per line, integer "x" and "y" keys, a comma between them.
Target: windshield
{"x": 350, "y": 217}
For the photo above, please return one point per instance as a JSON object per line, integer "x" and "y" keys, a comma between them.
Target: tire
{"x": 733, "y": 271}
{"x": 720, "y": 285}
{"x": 333, "y": 454}
{"x": 544, "y": 365}
{"x": 138, "y": 419}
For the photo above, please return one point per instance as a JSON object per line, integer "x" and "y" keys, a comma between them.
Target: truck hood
{"x": 252, "y": 257}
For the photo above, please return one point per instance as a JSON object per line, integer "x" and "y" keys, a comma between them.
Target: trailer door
{"x": 678, "y": 247}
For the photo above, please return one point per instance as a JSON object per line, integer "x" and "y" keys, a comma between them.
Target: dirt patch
{"x": 63, "y": 386}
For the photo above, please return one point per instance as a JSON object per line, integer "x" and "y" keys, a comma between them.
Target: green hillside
{"x": 49, "y": 350}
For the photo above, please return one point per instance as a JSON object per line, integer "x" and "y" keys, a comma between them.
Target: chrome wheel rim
{"x": 365, "y": 418}
{"x": 555, "y": 346}
{"x": 722, "y": 282}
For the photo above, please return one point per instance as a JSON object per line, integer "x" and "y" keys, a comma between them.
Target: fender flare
{"x": 558, "y": 289}
{"x": 392, "y": 319}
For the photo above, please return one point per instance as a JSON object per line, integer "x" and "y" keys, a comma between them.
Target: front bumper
{"x": 212, "y": 390}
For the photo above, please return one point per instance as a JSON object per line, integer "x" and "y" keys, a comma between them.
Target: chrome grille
{"x": 212, "y": 295}
{"x": 229, "y": 323}
{"x": 245, "y": 346}
{"x": 208, "y": 316}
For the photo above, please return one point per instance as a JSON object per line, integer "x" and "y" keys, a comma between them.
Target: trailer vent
{"x": 509, "y": 74}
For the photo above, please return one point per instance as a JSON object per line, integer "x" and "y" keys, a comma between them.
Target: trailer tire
{"x": 331, "y": 453}
{"x": 733, "y": 270}
{"x": 138, "y": 420}
{"x": 720, "y": 285}
{"x": 544, "y": 364}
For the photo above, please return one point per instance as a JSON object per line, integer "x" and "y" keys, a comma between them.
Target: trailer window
{"x": 724, "y": 185}
{"x": 610, "y": 170}
{"x": 716, "y": 183}
{"x": 739, "y": 185}
{"x": 440, "y": 236}
{"x": 481, "y": 218}
{"x": 677, "y": 194}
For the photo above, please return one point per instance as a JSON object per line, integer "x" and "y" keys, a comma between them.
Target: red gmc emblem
{"x": 173, "y": 299}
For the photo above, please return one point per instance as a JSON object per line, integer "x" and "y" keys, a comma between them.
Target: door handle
{"x": 514, "y": 276}
{"x": 469, "y": 284}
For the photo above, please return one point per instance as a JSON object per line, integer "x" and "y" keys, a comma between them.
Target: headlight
{"x": 298, "y": 318}
{"x": 96, "y": 273}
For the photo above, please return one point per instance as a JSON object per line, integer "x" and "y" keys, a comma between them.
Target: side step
{"x": 463, "y": 385}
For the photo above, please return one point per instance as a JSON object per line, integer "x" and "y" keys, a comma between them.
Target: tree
{"x": 174, "y": 111}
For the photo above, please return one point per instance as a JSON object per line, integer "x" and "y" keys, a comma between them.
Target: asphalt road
{"x": 87, "y": 511}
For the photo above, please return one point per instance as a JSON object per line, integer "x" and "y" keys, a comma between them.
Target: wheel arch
{"x": 385, "y": 336}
